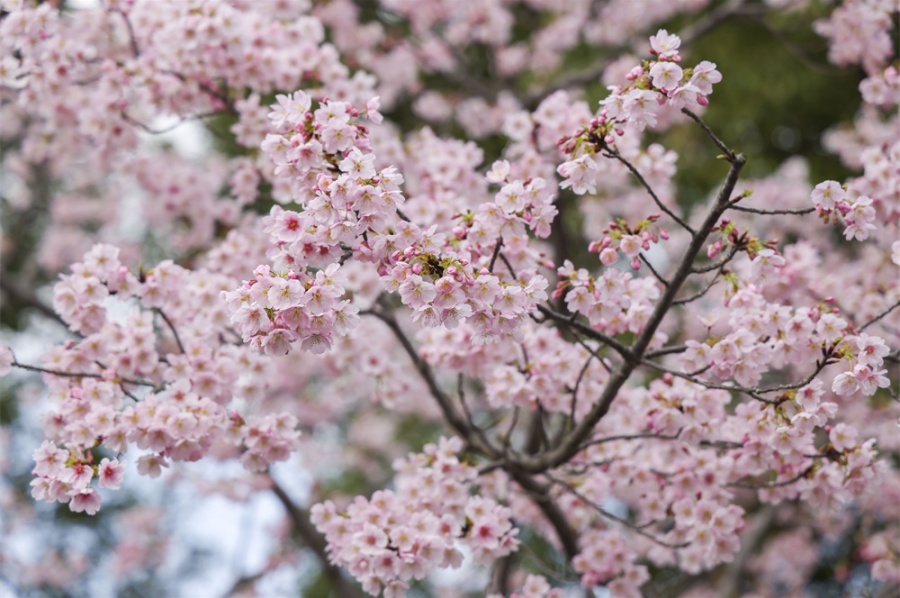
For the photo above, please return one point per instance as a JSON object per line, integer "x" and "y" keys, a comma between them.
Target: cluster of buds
{"x": 619, "y": 236}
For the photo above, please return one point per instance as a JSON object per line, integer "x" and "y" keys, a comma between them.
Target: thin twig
{"x": 638, "y": 529}
{"x": 648, "y": 435}
{"x": 589, "y": 332}
{"x": 699, "y": 294}
{"x": 457, "y": 422}
{"x": 656, "y": 274}
{"x": 615, "y": 154}
{"x": 171, "y": 327}
{"x": 495, "y": 254}
{"x": 730, "y": 155}
{"x": 716, "y": 266}
{"x": 780, "y": 484}
{"x": 40, "y": 370}
{"x": 170, "y": 128}
{"x": 20, "y": 297}
{"x": 799, "y": 212}
{"x": 880, "y": 316}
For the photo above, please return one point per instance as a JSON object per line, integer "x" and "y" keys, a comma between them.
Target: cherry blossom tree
{"x": 414, "y": 248}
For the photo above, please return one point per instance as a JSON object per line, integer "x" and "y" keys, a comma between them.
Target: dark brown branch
{"x": 729, "y": 155}
{"x": 751, "y": 537}
{"x": 453, "y": 418}
{"x": 495, "y": 254}
{"x": 670, "y": 350}
{"x": 19, "y": 297}
{"x": 171, "y": 328}
{"x": 800, "y": 212}
{"x": 62, "y": 374}
{"x": 540, "y": 494}
{"x": 639, "y": 529}
{"x": 880, "y": 316}
{"x": 633, "y": 358}
{"x": 615, "y": 154}
{"x": 656, "y": 274}
{"x": 310, "y": 536}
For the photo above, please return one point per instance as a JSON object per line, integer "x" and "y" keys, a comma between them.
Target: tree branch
{"x": 633, "y": 357}
{"x": 310, "y": 536}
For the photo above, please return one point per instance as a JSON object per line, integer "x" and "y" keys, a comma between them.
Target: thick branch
{"x": 540, "y": 494}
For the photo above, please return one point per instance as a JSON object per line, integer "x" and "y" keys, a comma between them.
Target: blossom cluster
{"x": 656, "y": 83}
{"x": 637, "y": 419}
{"x": 615, "y": 301}
{"x": 400, "y": 535}
{"x": 123, "y": 387}
{"x": 831, "y": 201}
{"x": 66, "y": 478}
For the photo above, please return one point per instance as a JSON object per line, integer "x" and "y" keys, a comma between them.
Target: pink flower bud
{"x": 635, "y": 73}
